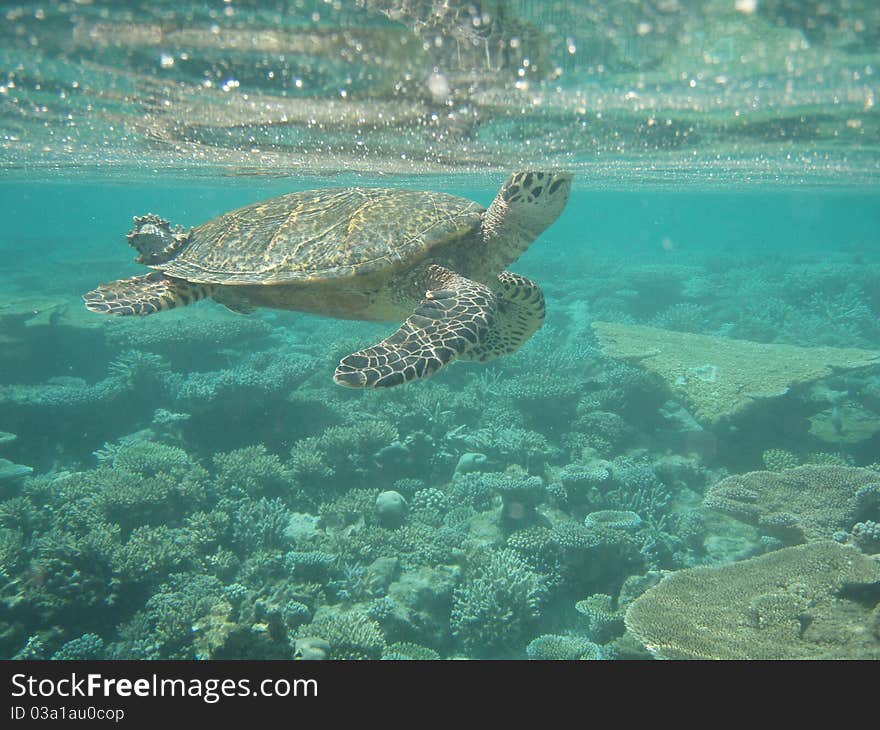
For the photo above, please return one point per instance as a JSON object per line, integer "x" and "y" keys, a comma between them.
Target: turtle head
{"x": 527, "y": 204}
{"x": 155, "y": 240}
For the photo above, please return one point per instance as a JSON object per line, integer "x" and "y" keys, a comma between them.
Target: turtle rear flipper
{"x": 143, "y": 295}
{"x": 454, "y": 316}
{"x": 521, "y": 312}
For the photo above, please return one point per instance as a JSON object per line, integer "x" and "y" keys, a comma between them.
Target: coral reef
{"x": 198, "y": 488}
{"x": 556, "y": 647}
{"x": 796, "y": 603}
{"x": 802, "y": 504}
{"x": 493, "y": 610}
{"x": 720, "y": 377}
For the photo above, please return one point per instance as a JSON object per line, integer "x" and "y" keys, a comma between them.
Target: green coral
{"x": 797, "y": 505}
{"x": 721, "y": 377}
{"x": 131, "y": 499}
{"x": 164, "y": 628}
{"x": 494, "y": 609}
{"x": 351, "y": 507}
{"x": 826, "y": 458}
{"x": 151, "y": 553}
{"x": 779, "y": 460}
{"x": 405, "y": 651}
{"x": 253, "y": 471}
{"x": 603, "y": 620}
{"x": 562, "y": 647}
{"x": 795, "y": 603}
{"x": 86, "y": 647}
{"x": 145, "y": 458}
{"x": 350, "y": 635}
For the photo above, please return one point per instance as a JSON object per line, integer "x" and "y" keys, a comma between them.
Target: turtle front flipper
{"x": 454, "y": 316}
{"x": 521, "y": 311}
{"x": 143, "y": 295}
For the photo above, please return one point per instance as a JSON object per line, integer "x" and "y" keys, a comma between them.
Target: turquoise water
{"x": 684, "y": 461}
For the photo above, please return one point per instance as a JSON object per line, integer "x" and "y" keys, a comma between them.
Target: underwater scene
{"x": 415, "y": 330}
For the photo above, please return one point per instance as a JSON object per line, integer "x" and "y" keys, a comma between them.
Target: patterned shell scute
{"x": 323, "y": 235}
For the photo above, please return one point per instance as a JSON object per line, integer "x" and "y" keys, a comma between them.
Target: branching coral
{"x": 556, "y": 647}
{"x": 350, "y": 635}
{"x": 495, "y": 608}
{"x": 251, "y": 471}
{"x": 164, "y": 628}
{"x": 260, "y": 524}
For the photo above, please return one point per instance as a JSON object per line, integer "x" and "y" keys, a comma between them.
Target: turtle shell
{"x": 322, "y": 235}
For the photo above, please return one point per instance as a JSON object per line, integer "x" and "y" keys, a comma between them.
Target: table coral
{"x": 721, "y": 377}
{"x": 795, "y": 603}
{"x": 798, "y": 505}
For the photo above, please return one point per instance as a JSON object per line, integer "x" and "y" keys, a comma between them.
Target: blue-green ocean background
{"x": 194, "y": 485}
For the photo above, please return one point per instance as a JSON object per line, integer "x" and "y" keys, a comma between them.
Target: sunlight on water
{"x": 666, "y": 92}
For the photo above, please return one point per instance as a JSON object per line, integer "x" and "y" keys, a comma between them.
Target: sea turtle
{"x": 437, "y": 260}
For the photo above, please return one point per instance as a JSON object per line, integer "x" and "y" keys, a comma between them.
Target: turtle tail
{"x": 143, "y": 295}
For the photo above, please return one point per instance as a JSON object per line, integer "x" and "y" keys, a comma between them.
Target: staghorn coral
{"x": 260, "y": 524}
{"x": 511, "y": 445}
{"x": 151, "y": 553}
{"x": 312, "y": 565}
{"x": 164, "y": 628}
{"x": 130, "y": 500}
{"x": 583, "y": 482}
{"x": 682, "y": 317}
{"x": 308, "y": 465}
{"x": 136, "y": 369}
{"x": 430, "y": 505}
{"x": 71, "y": 574}
{"x": 493, "y": 610}
{"x": 795, "y": 603}
{"x": 351, "y": 507}
{"x": 539, "y": 394}
{"x": 605, "y": 432}
{"x": 476, "y": 489}
{"x": 826, "y": 458}
{"x": 798, "y": 505}
{"x": 414, "y": 545}
{"x": 341, "y": 454}
{"x": 251, "y": 471}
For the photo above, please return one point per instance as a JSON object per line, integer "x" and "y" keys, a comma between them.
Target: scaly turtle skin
{"x": 436, "y": 260}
